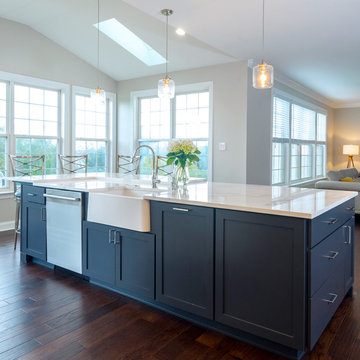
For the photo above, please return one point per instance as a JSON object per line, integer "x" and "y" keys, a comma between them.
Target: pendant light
{"x": 98, "y": 95}
{"x": 166, "y": 86}
{"x": 263, "y": 74}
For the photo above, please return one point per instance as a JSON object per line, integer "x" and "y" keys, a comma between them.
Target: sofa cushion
{"x": 348, "y": 179}
{"x": 336, "y": 175}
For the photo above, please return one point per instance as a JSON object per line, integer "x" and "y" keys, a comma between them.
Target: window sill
{"x": 307, "y": 182}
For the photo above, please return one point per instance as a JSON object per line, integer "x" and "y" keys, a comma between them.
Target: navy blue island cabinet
{"x": 33, "y": 222}
{"x": 119, "y": 258}
{"x": 184, "y": 257}
{"x": 273, "y": 281}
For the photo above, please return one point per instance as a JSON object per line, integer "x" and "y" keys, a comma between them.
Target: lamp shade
{"x": 263, "y": 76}
{"x": 98, "y": 95}
{"x": 351, "y": 149}
{"x": 166, "y": 88}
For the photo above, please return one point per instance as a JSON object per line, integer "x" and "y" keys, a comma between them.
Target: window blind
{"x": 281, "y": 115}
{"x": 303, "y": 123}
{"x": 321, "y": 127}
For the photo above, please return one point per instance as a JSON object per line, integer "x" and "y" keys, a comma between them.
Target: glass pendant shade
{"x": 166, "y": 88}
{"x": 263, "y": 76}
{"x": 98, "y": 95}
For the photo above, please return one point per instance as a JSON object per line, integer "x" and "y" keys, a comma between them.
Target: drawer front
{"x": 325, "y": 224}
{"x": 324, "y": 303}
{"x": 325, "y": 257}
{"x": 33, "y": 194}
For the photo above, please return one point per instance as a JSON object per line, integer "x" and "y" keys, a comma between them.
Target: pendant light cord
{"x": 263, "y": 31}
{"x": 98, "y": 43}
{"x": 167, "y": 44}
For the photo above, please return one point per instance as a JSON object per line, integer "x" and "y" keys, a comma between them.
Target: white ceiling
{"x": 315, "y": 43}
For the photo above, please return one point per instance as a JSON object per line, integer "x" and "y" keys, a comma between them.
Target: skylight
{"x": 130, "y": 42}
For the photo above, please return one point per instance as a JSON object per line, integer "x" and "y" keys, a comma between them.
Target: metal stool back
{"x": 126, "y": 164}
{"x": 162, "y": 168}
{"x": 70, "y": 164}
{"x": 24, "y": 166}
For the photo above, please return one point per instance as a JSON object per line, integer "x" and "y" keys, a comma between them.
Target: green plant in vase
{"x": 182, "y": 153}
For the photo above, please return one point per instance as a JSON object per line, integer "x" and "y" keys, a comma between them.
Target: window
{"x": 299, "y": 142}
{"x": 31, "y": 112}
{"x": 36, "y": 124}
{"x": 3, "y": 132}
{"x": 92, "y": 131}
{"x": 185, "y": 116}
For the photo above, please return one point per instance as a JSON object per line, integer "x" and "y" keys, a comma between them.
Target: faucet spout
{"x": 154, "y": 179}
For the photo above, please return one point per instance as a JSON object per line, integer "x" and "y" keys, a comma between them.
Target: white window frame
{"x": 16, "y": 79}
{"x": 110, "y": 140}
{"x": 136, "y": 96}
{"x": 318, "y": 110}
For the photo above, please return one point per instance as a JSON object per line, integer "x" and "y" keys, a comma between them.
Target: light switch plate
{"x": 222, "y": 146}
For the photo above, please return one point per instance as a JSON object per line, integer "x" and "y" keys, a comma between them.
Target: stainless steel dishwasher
{"x": 63, "y": 225}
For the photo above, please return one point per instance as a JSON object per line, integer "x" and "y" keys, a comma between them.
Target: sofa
{"x": 351, "y": 183}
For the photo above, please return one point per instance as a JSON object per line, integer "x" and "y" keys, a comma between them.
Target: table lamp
{"x": 350, "y": 151}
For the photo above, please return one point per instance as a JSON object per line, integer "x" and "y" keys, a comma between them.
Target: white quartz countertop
{"x": 277, "y": 200}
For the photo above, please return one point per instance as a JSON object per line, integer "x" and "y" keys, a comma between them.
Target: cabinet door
{"x": 349, "y": 229}
{"x": 260, "y": 275}
{"x": 185, "y": 256}
{"x": 33, "y": 230}
{"x": 135, "y": 265}
{"x": 99, "y": 253}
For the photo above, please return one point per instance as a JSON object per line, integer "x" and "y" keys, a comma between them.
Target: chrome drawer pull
{"x": 331, "y": 221}
{"x": 332, "y": 300}
{"x": 181, "y": 209}
{"x": 348, "y": 242}
{"x": 57, "y": 197}
{"x": 43, "y": 217}
{"x": 350, "y": 208}
{"x": 30, "y": 194}
{"x": 333, "y": 256}
{"x": 111, "y": 240}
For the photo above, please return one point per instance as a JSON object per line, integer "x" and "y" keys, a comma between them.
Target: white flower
{"x": 173, "y": 144}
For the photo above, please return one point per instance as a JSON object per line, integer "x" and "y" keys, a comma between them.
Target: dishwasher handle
{"x": 57, "y": 197}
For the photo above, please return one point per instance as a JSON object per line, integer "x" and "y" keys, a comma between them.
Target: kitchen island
{"x": 267, "y": 265}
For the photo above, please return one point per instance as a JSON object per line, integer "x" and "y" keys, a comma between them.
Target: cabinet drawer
{"x": 33, "y": 194}
{"x": 324, "y": 303}
{"x": 325, "y": 224}
{"x": 324, "y": 258}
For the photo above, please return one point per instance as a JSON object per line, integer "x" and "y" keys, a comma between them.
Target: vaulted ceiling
{"x": 315, "y": 43}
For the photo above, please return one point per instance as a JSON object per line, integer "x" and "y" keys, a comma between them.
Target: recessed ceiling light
{"x": 180, "y": 31}
{"x": 130, "y": 42}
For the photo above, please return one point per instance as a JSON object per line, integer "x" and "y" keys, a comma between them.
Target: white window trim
{"x": 195, "y": 87}
{"x": 111, "y": 127}
{"x": 308, "y": 105}
{"x": 64, "y": 107}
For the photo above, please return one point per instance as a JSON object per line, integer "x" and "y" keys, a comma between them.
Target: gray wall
{"x": 229, "y": 114}
{"x": 259, "y": 134}
{"x": 346, "y": 132}
{"x": 27, "y": 52}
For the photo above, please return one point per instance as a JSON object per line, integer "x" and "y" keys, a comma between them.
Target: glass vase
{"x": 180, "y": 177}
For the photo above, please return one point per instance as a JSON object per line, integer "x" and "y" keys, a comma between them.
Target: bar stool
{"x": 126, "y": 164}
{"x": 24, "y": 166}
{"x": 162, "y": 168}
{"x": 70, "y": 164}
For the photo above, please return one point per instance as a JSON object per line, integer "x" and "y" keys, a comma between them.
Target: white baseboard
{"x": 7, "y": 225}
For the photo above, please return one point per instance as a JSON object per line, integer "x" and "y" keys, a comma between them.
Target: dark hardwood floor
{"x": 46, "y": 314}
